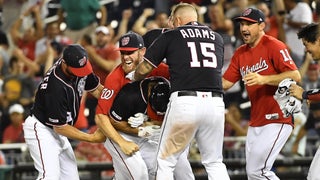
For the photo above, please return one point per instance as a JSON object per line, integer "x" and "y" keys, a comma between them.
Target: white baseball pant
{"x": 52, "y": 153}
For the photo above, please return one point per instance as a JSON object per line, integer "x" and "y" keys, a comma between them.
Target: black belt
{"x": 194, "y": 93}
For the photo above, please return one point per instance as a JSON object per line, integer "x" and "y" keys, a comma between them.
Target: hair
{"x": 309, "y": 33}
{"x": 180, "y": 6}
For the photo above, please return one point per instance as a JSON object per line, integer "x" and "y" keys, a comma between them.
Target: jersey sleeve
{"x": 92, "y": 82}
{"x": 313, "y": 95}
{"x": 281, "y": 56}
{"x": 112, "y": 85}
{"x": 157, "y": 51}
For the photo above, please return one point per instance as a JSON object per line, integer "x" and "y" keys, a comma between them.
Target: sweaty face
{"x": 313, "y": 48}
{"x": 130, "y": 60}
{"x": 250, "y": 32}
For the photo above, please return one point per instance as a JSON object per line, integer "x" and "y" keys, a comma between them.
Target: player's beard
{"x": 133, "y": 65}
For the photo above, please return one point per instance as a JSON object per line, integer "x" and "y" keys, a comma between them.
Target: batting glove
{"x": 149, "y": 131}
{"x": 292, "y": 106}
{"x": 137, "y": 120}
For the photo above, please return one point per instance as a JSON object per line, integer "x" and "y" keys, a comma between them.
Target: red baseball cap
{"x": 77, "y": 60}
{"x": 130, "y": 41}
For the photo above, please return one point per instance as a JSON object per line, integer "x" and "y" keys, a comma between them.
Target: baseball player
{"x": 55, "y": 111}
{"x": 262, "y": 63}
{"x": 194, "y": 54}
{"x": 128, "y": 116}
{"x": 132, "y": 49}
{"x": 311, "y": 39}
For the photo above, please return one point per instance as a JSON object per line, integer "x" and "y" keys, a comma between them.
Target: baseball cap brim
{"x": 246, "y": 19}
{"x": 127, "y": 48}
{"x": 82, "y": 71}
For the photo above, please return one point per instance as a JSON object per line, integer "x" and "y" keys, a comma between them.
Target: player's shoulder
{"x": 271, "y": 42}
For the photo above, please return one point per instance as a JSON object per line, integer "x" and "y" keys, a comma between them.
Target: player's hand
{"x": 296, "y": 91}
{"x": 128, "y": 147}
{"x": 137, "y": 120}
{"x": 251, "y": 79}
{"x": 150, "y": 132}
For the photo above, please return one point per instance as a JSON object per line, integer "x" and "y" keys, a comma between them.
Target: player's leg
{"x": 263, "y": 145}
{"x": 43, "y": 148}
{"x": 209, "y": 136}
{"x": 183, "y": 168}
{"x": 68, "y": 165}
{"x": 313, "y": 173}
{"x": 179, "y": 127}
{"x": 126, "y": 167}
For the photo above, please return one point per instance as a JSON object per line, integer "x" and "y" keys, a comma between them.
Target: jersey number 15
{"x": 207, "y": 50}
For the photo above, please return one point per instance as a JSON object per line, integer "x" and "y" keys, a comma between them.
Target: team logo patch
{"x": 125, "y": 41}
{"x": 246, "y": 12}
{"x": 82, "y": 61}
{"x": 106, "y": 93}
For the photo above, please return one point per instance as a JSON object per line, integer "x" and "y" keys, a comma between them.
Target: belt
{"x": 194, "y": 93}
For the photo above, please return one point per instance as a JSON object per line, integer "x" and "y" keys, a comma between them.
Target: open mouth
{"x": 245, "y": 35}
{"x": 128, "y": 63}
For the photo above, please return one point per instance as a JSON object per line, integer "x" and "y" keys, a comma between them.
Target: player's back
{"x": 194, "y": 54}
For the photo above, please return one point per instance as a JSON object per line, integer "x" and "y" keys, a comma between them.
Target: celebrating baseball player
{"x": 262, "y": 63}
{"x": 310, "y": 36}
{"x": 194, "y": 54}
{"x": 132, "y": 49}
{"x": 133, "y": 107}
{"x": 55, "y": 111}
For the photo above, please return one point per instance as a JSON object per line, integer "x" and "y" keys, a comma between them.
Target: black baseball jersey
{"x": 194, "y": 54}
{"x": 58, "y": 98}
{"x": 132, "y": 99}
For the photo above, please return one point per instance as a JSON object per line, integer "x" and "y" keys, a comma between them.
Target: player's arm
{"x": 226, "y": 84}
{"x": 103, "y": 122}
{"x": 142, "y": 70}
{"x": 254, "y": 78}
{"x": 74, "y": 133}
{"x": 96, "y": 92}
{"x": 300, "y": 93}
{"x": 124, "y": 126}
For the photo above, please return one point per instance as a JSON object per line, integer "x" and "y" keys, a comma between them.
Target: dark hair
{"x": 309, "y": 32}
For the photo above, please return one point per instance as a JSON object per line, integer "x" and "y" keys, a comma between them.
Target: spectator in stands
{"x": 11, "y": 10}
{"x": 2, "y": 158}
{"x": 14, "y": 133}
{"x": 300, "y": 14}
{"x": 272, "y": 23}
{"x": 123, "y": 26}
{"x": 26, "y": 40}
{"x": 224, "y": 26}
{"x": 145, "y": 22}
{"x": 4, "y": 54}
{"x": 81, "y": 17}
{"x": 234, "y": 121}
{"x": 52, "y": 33}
